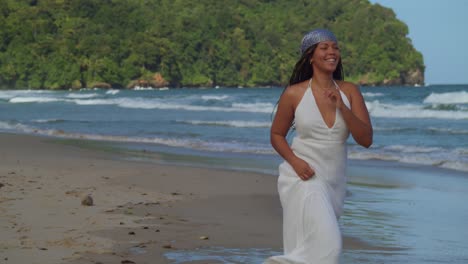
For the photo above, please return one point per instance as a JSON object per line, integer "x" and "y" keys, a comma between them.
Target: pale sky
{"x": 439, "y": 30}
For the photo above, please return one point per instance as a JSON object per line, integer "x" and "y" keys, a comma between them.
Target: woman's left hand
{"x": 334, "y": 97}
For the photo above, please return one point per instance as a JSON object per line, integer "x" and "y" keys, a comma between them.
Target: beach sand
{"x": 141, "y": 210}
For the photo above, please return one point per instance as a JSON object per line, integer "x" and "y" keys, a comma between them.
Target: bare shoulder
{"x": 350, "y": 89}
{"x": 293, "y": 93}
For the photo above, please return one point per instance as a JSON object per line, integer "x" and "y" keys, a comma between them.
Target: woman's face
{"x": 326, "y": 56}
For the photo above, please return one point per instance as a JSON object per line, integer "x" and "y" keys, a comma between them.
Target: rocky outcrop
{"x": 410, "y": 78}
{"x": 415, "y": 77}
{"x": 102, "y": 85}
{"x": 157, "y": 81}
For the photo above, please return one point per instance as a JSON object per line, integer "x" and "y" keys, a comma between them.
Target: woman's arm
{"x": 357, "y": 118}
{"x": 279, "y": 129}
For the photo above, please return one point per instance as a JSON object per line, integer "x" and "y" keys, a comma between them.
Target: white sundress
{"x": 311, "y": 208}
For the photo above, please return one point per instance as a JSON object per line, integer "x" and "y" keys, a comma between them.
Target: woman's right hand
{"x": 302, "y": 169}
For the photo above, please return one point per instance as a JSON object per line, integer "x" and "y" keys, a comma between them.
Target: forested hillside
{"x": 61, "y": 44}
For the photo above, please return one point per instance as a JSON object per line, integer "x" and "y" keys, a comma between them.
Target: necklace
{"x": 323, "y": 89}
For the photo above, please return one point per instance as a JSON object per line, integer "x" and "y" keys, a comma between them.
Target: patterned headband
{"x": 316, "y": 36}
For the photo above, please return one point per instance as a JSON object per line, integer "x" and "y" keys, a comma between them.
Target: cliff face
{"x": 412, "y": 78}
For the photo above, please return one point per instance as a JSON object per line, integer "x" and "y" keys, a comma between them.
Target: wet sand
{"x": 140, "y": 212}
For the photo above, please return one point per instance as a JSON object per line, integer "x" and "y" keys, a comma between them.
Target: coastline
{"x": 148, "y": 211}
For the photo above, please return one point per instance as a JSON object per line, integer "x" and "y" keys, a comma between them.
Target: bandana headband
{"x": 316, "y": 36}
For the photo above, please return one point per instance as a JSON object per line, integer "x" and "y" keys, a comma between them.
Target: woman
{"x": 312, "y": 180}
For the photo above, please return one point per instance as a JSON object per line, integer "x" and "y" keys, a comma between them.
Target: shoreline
{"x": 143, "y": 211}
{"x": 181, "y": 156}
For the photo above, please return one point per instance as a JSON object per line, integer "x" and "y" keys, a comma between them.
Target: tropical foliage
{"x": 58, "y": 44}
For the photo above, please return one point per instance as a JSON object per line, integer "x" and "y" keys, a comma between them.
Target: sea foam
{"x": 447, "y": 98}
{"x": 378, "y": 109}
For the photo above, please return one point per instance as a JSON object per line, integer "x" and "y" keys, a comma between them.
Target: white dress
{"x": 311, "y": 208}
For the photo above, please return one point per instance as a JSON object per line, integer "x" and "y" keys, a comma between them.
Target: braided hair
{"x": 303, "y": 70}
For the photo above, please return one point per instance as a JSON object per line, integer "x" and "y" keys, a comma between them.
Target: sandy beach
{"x": 147, "y": 212}
{"x": 140, "y": 210}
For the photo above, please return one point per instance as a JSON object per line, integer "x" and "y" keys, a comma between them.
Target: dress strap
{"x": 310, "y": 84}
{"x": 336, "y": 85}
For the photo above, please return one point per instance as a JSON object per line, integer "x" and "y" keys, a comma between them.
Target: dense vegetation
{"x": 57, "y": 44}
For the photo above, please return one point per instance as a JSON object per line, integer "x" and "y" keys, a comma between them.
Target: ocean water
{"x": 419, "y": 125}
{"x": 402, "y": 199}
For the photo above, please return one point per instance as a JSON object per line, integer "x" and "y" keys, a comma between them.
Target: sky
{"x": 439, "y": 30}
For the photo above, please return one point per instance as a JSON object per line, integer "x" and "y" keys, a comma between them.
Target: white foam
{"x": 173, "y": 142}
{"x": 16, "y": 100}
{"x": 113, "y": 92}
{"x": 394, "y": 129}
{"x": 377, "y": 109}
{"x": 47, "y": 120}
{"x": 15, "y": 127}
{"x": 214, "y": 97}
{"x": 447, "y": 98}
{"x": 82, "y": 96}
{"x": 8, "y": 94}
{"x": 140, "y": 88}
{"x": 412, "y": 149}
{"x": 372, "y": 94}
{"x": 455, "y": 165}
{"x": 94, "y": 101}
{"x": 448, "y": 130}
{"x": 254, "y": 107}
{"x": 156, "y": 103}
{"x": 439, "y": 157}
{"x": 230, "y": 123}
{"x": 142, "y": 103}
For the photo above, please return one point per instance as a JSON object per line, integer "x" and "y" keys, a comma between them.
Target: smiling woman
{"x": 312, "y": 179}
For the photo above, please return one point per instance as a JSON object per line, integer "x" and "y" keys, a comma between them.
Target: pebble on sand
{"x": 87, "y": 200}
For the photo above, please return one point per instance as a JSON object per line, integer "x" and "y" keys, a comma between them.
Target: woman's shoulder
{"x": 348, "y": 88}
{"x": 296, "y": 90}
{"x": 351, "y": 90}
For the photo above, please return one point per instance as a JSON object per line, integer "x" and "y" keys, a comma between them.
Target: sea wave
{"x": 230, "y": 123}
{"x": 460, "y": 97}
{"x": 456, "y": 159}
{"x": 152, "y": 103}
{"x": 112, "y": 92}
{"x": 412, "y": 149}
{"x": 8, "y": 94}
{"x": 233, "y": 146}
{"x": 140, "y": 88}
{"x": 448, "y": 130}
{"x": 82, "y": 96}
{"x": 368, "y": 94}
{"x": 15, "y": 126}
{"x": 450, "y": 158}
{"x": 394, "y": 129}
{"x": 16, "y": 100}
{"x": 430, "y": 130}
{"x": 378, "y": 109}
{"x": 215, "y": 97}
{"x": 49, "y": 120}
{"x": 142, "y": 103}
